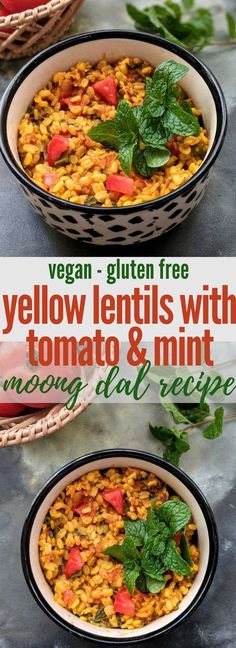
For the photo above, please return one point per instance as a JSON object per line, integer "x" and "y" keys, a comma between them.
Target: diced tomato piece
{"x": 107, "y": 90}
{"x": 115, "y": 497}
{"x": 11, "y": 409}
{"x": 50, "y": 179}
{"x": 68, "y": 597}
{"x": 120, "y": 184}
{"x": 74, "y": 563}
{"x": 123, "y": 603}
{"x": 15, "y": 6}
{"x": 4, "y": 12}
{"x": 58, "y": 145}
{"x": 81, "y": 503}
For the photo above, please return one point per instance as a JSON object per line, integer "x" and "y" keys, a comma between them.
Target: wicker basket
{"x": 41, "y": 423}
{"x": 30, "y": 31}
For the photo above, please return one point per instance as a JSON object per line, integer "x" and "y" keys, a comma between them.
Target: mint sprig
{"x": 140, "y": 134}
{"x": 149, "y": 549}
{"x": 176, "y": 440}
{"x": 183, "y": 23}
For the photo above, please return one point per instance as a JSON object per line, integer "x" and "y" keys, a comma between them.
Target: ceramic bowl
{"x": 127, "y": 225}
{"x": 179, "y": 482}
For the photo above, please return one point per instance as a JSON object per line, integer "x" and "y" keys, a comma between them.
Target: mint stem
{"x": 227, "y": 417}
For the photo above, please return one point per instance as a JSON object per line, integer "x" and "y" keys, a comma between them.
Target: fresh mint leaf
{"x": 181, "y": 443}
{"x": 116, "y": 552}
{"x": 141, "y": 583}
{"x": 155, "y": 585}
{"x": 129, "y": 548}
{"x": 140, "y": 17}
{"x": 131, "y": 574}
{"x": 231, "y": 24}
{"x": 173, "y": 561}
{"x": 152, "y": 566}
{"x": 155, "y": 526}
{"x": 214, "y": 430}
{"x": 163, "y": 433}
{"x": 184, "y": 547}
{"x": 156, "y": 157}
{"x": 140, "y": 164}
{"x": 178, "y": 121}
{"x": 158, "y": 22}
{"x": 175, "y": 7}
{"x": 126, "y": 152}
{"x": 175, "y": 514}
{"x": 171, "y": 454}
{"x": 195, "y": 413}
{"x": 175, "y": 442}
{"x": 126, "y": 123}
{"x": 158, "y": 545}
{"x": 188, "y": 4}
{"x": 201, "y": 24}
{"x": 169, "y": 73}
{"x": 136, "y": 529}
{"x": 154, "y": 99}
{"x": 185, "y": 105}
{"x": 152, "y": 132}
{"x": 105, "y": 133}
{"x": 138, "y": 110}
{"x": 175, "y": 412}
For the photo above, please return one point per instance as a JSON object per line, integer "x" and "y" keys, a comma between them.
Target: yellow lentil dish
{"x": 84, "y": 522}
{"x": 80, "y": 171}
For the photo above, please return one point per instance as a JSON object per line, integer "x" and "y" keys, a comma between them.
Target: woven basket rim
{"x": 42, "y": 11}
{"x": 43, "y": 422}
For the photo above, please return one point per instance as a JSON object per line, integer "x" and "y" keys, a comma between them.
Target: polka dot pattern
{"x": 118, "y": 228}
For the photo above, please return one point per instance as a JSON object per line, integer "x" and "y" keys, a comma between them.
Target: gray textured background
{"x": 209, "y": 231}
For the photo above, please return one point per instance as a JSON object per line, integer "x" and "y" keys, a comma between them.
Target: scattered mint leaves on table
{"x": 149, "y": 549}
{"x": 140, "y": 134}
{"x": 183, "y": 23}
{"x": 176, "y": 440}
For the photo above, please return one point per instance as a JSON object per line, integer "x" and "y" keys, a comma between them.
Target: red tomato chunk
{"x": 120, "y": 184}
{"x": 107, "y": 90}
{"x": 123, "y": 603}
{"x": 56, "y": 147}
{"x": 68, "y": 597}
{"x": 16, "y": 6}
{"x": 83, "y": 505}
{"x": 115, "y": 498}
{"x": 74, "y": 563}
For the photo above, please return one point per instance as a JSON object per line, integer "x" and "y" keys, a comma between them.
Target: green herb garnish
{"x": 183, "y": 23}
{"x": 149, "y": 549}
{"x": 100, "y": 615}
{"x": 140, "y": 134}
{"x": 176, "y": 440}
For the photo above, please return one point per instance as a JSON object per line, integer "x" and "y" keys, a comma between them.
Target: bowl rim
{"x": 94, "y": 457}
{"x": 198, "y": 65}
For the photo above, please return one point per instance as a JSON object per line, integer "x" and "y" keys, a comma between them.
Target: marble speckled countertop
{"x": 210, "y": 231}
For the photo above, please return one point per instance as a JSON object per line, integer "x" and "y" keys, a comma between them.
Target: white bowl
{"x": 179, "y": 482}
{"x": 113, "y": 226}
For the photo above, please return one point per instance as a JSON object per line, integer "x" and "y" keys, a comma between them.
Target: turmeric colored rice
{"x": 82, "y": 177}
{"x": 90, "y": 592}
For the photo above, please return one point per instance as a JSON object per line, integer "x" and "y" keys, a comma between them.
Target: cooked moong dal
{"x": 60, "y": 157}
{"x": 89, "y": 517}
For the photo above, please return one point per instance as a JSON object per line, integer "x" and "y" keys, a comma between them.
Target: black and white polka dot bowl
{"x": 136, "y": 223}
{"x": 177, "y": 481}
